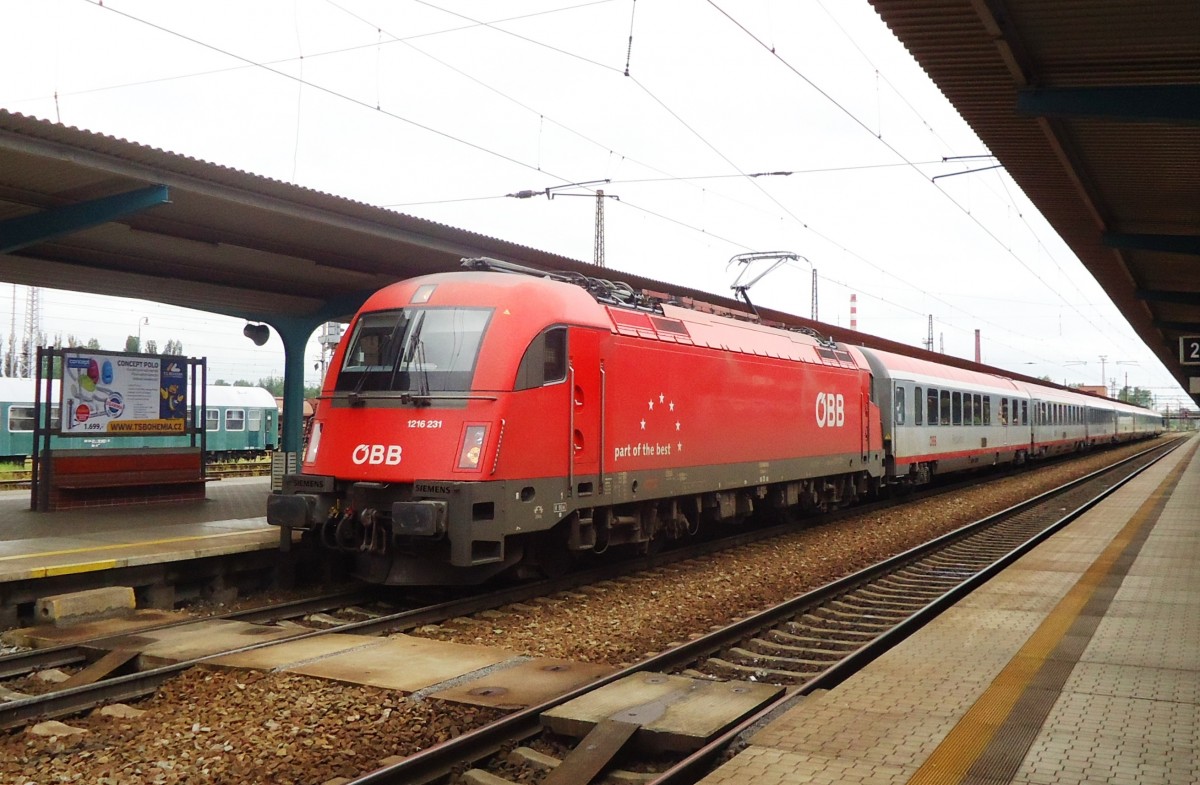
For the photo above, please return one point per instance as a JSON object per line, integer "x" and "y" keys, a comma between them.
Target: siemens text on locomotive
{"x": 480, "y": 421}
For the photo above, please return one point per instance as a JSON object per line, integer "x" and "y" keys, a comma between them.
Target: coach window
{"x": 255, "y": 420}
{"x": 944, "y": 400}
{"x": 1024, "y": 412}
{"x": 918, "y": 406}
{"x": 20, "y": 418}
{"x": 956, "y": 408}
{"x": 545, "y": 361}
{"x": 977, "y": 410}
{"x": 931, "y": 406}
{"x": 212, "y": 419}
{"x": 969, "y": 409}
{"x": 235, "y": 419}
{"x": 987, "y": 410}
{"x": 899, "y": 405}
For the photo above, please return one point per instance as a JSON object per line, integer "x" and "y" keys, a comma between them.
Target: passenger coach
{"x": 941, "y": 419}
{"x": 239, "y": 422}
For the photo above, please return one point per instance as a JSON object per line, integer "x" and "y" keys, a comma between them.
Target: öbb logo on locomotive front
{"x": 377, "y": 454}
{"x": 831, "y": 410}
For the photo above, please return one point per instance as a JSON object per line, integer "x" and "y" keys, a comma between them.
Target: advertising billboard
{"x": 121, "y": 393}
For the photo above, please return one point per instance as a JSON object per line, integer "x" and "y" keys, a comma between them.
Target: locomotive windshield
{"x": 414, "y": 350}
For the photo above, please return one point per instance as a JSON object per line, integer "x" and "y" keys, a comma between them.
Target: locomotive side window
{"x": 545, "y": 360}
{"x": 555, "y": 365}
{"x": 956, "y": 408}
{"x": 945, "y": 407}
{"x": 899, "y": 405}
{"x": 931, "y": 406}
{"x": 414, "y": 350}
{"x": 918, "y": 407}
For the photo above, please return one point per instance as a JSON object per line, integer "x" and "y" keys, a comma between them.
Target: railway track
{"x": 810, "y": 643}
{"x": 758, "y": 649}
{"x": 20, "y": 479}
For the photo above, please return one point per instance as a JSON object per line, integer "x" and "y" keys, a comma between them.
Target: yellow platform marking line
{"x": 71, "y": 569}
{"x": 954, "y": 757}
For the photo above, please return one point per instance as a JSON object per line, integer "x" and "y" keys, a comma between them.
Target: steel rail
{"x": 439, "y": 760}
{"x": 23, "y": 662}
{"x": 693, "y": 767}
{"x": 127, "y": 687}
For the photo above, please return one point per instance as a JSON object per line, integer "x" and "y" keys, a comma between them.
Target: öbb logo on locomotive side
{"x": 831, "y": 410}
{"x": 376, "y": 454}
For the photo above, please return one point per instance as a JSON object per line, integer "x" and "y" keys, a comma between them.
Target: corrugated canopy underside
{"x": 1093, "y": 107}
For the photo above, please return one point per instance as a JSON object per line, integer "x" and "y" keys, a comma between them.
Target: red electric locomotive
{"x": 503, "y": 418}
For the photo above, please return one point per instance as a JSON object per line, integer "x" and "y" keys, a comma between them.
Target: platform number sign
{"x": 1189, "y": 350}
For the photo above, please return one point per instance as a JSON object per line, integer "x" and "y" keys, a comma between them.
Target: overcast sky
{"x": 691, "y": 111}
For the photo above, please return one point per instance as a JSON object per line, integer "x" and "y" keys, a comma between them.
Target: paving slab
{"x": 44, "y": 635}
{"x": 405, "y": 663}
{"x": 289, "y": 655}
{"x": 199, "y": 639}
{"x": 526, "y": 684}
{"x": 676, "y": 713}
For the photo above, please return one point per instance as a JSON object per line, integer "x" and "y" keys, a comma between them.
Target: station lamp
{"x": 259, "y": 333}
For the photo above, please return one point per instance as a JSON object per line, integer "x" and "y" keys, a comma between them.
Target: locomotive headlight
{"x": 472, "y": 446}
{"x": 314, "y": 441}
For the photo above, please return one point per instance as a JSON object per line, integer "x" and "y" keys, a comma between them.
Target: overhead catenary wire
{"x": 858, "y": 121}
{"x": 677, "y": 221}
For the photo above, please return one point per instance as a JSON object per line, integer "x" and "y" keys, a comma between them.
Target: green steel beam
{"x": 1168, "y": 243}
{"x": 1175, "y": 298}
{"x": 27, "y": 230}
{"x": 1191, "y": 328}
{"x": 1176, "y": 104}
{"x": 295, "y": 334}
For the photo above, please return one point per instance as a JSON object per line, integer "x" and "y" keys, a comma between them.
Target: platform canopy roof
{"x": 1093, "y": 107}
{"x": 86, "y": 212}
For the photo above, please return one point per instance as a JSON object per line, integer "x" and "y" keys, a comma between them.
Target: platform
{"x": 1078, "y": 664}
{"x": 49, "y": 548}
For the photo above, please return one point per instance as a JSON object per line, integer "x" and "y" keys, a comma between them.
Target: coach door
{"x": 586, "y": 407}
